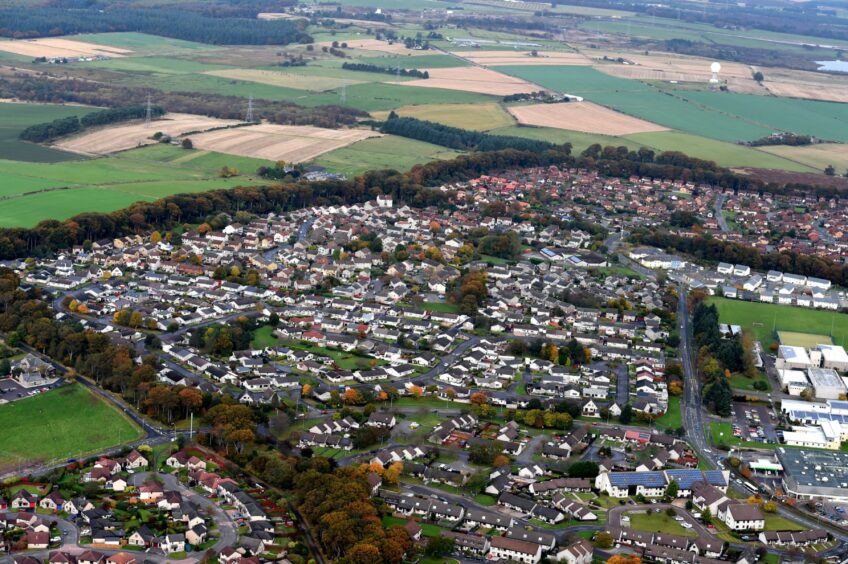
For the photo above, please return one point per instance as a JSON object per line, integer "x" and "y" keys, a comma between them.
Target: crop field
{"x": 396, "y": 48}
{"x": 385, "y": 152}
{"x": 582, "y": 116}
{"x": 291, "y": 143}
{"x": 415, "y": 61}
{"x": 71, "y": 422}
{"x": 14, "y": 118}
{"x": 288, "y": 79}
{"x": 60, "y": 47}
{"x": 131, "y": 135}
{"x": 474, "y": 79}
{"x": 719, "y": 115}
{"x": 765, "y": 319}
{"x": 479, "y": 117}
{"x": 722, "y": 152}
{"x": 143, "y": 43}
{"x": 814, "y": 156}
{"x": 675, "y": 65}
{"x": 500, "y": 58}
{"x": 834, "y": 89}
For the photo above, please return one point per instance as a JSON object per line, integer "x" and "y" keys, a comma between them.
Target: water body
{"x": 833, "y": 66}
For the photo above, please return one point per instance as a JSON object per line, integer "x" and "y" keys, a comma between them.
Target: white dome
{"x": 715, "y": 67}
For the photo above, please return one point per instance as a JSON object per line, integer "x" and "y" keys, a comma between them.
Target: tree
{"x": 624, "y": 559}
{"x": 758, "y": 76}
{"x": 393, "y": 472}
{"x": 603, "y": 540}
{"x": 626, "y": 414}
{"x": 187, "y": 143}
{"x": 438, "y": 547}
{"x": 583, "y": 469}
{"x": 829, "y": 170}
{"x": 672, "y": 489}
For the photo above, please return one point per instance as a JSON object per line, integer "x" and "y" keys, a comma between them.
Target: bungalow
{"x": 173, "y": 543}
{"x": 579, "y": 552}
{"x": 23, "y": 500}
{"x": 52, "y": 502}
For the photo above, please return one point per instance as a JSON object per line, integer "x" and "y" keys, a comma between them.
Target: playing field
{"x": 130, "y": 135}
{"x": 377, "y": 153}
{"x": 764, "y": 320}
{"x": 479, "y": 117}
{"x": 582, "y": 116}
{"x": 806, "y": 340}
{"x": 68, "y": 422}
{"x": 290, "y": 143}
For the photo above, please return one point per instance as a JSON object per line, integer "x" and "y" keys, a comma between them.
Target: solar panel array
{"x": 816, "y": 416}
{"x": 647, "y": 479}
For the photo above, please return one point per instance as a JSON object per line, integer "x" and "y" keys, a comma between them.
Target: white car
{"x": 686, "y": 525}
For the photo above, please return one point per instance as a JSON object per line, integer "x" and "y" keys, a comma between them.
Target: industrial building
{"x": 792, "y": 358}
{"x": 813, "y": 473}
{"x": 826, "y": 383}
{"x": 834, "y": 357}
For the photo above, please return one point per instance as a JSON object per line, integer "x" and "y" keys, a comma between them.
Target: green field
{"x": 723, "y": 153}
{"x": 68, "y": 422}
{"x": 717, "y": 115}
{"x": 765, "y": 319}
{"x": 671, "y": 419}
{"x": 390, "y": 151}
{"x": 806, "y": 340}
{"x": 478, "y": 117}
{"x": 38, "y": 191}
{"x": 263, "y": 338}
{"x": 579, "y": 140}
{"x": 14, "y": 118}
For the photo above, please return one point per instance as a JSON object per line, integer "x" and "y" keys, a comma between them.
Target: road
{"x": 719, "y": 215}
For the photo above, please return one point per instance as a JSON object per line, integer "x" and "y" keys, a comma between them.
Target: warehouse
{"x": 834, "y": 357}
{"x": 812, "y": 473}
{"x": 826, "y": 383}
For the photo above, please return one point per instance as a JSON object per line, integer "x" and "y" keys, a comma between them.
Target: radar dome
{"x": 715, "y": 67}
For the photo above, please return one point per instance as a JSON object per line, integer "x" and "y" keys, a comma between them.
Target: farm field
{"x": 385, "y": 152}
{"x": 814, "y": 156}
{"x": 291, "y": 143}
{"x": 144, "y": 44}
{"x": 14, "y": 118}
{"x": 718, "y": 115}
{"x": 72, "y": 422}
{"x": 579, "y": 140}
{"x": 493, "y": 58}
{"x": 581, "y": 116}
{"x": 287, "y": 79}
{"x": 722, "y": 152}
{"x": 474, "y": 79}
{"x": 479, "y": 117}
{"x": 53, "y": 47}
{"x": 130, "y": 135}
{"x": 763, "y": 319}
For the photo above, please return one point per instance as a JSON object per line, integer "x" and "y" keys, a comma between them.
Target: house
{"x": 384, "y": 420}
{"x": 744, "y": 517}
{"x": 177, "y": 460}
{"x": 52, "y": 502}
{"x": 135, "y": 461}
{"x": 89, "y": 557}
{"x": 37, "y": 540}
{"x": 502, "y": 548}
{"x": 142, "y": 537}
{"x": 579, "y": 552}
{"x": 23, "y": 500}
{"x": 121, "y": 558}
{"x": 173, "y": 543}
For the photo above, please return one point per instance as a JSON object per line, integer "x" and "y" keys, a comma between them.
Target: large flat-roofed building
{"x": 792, "y": 358}
{"x": 827, "y": 434}
{"x": 815, "y": 473}
{"x": 834, "y": 357}
{"x": 826, "y": 383}
{"x": 793, "y": 381}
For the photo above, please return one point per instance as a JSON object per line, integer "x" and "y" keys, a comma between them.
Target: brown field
{"x": 278, "y": 16}
{"x": 817, "y": 156}
{"x": 810, "y": 91}
{"x": 474, "y": 79}
{"x": 54, "y": 47}
{"x": 673, "y": 64}
{"x": 377, "y": 45}
{"x": 290, "y": 143}
{"x": 493, "y": 58}
{"x": 287, "y": 79}
{"x": 129, "y": 136}
{"x": 582, "y": 116}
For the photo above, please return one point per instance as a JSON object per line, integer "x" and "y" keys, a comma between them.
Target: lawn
{"x": 385, "y": 152}
{"x": 764, "y": 319}
{"x": 671, "y": 418}
{"x": 485, "y": 499}
{"x": 478, "y": 117}
{"x": 658, "y": 521}
{"x": 263, "y": 338}
{"x": 775, "y": 522}
{"x": 441, "y": 307}
{"x": 344, "y": 360}
{"x": 68, "y": 422}
{"x": 427, "y": 529}
{"x": 742, "y": 382}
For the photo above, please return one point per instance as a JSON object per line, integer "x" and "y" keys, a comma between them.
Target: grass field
{"x": 14, "y": 118}
{"x": 722, "y": 433}
{"x": 814, "y": 156}
{"x": 658, "y": 521}
{"x": 806, "y": 340}
{"x": 671, "y": 419}
{"x": 741, "y": 382}
{"x": 579, "y": 140}
{"x": 723, "y": 153}
{"x": 71, "y": 422}
{"x": 38, "y": 191}
{"x": 264, "y": 337}
{"x": 390, "y": 151}
{"x": 427, "y": 529}
{"x": 479, "y": 117}
{"x": 764, "y": 319}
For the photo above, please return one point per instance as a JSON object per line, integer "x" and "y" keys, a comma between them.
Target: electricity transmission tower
{"x": 249, "y": 118}
{"x": 148, "y": 114}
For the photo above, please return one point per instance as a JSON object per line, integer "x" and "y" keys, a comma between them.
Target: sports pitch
{"x": 806, "y": 340}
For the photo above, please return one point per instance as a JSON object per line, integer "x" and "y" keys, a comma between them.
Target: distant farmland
{"x": 14, "y": 118}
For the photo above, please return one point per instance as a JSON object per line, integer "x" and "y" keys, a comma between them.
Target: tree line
{"x": 364, "y": 67}
{"x": 55, "y": 90}
{"x": 43, "y": 132}
{"x": 458, "y": 138}
{"x": 22, "y": 23}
